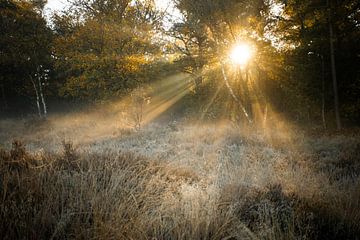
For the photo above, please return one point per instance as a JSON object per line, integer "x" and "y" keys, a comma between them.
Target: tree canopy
{"x": 25, "y": 50}
{"x": 304, "y": 62}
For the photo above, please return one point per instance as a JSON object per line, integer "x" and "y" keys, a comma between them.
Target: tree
{"x": 211, "y": 28}
{"x": 103, "y": 47}
{"x": 25, "y": 48}
{"x": 309, "y": 27}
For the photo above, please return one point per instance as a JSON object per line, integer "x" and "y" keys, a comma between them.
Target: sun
{"x": 241, "y": 54}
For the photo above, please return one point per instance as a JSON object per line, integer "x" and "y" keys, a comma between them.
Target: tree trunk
{"x": 323, "y": 91}
{"x": 247, "y": 95}
{"x": 37, "y": 96}
{"x": 42, "y": 95}
{"x": 265, "y": 113}
{"x": 5, "y": 104}
{"x": 333, "y": 72}
{"x": 237, "y": 100}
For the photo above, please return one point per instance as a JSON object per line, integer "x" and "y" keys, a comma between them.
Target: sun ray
{"x": 211, "y": 101}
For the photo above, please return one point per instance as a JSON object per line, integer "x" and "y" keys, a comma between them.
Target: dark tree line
{"x": 25, "y": 54}
{"x": 327, "y": 57}
{"x": 307, "y": 59}
{"x": 306, "y": 64}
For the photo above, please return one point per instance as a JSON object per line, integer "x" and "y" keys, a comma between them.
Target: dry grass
{"x": 188, "y": 182}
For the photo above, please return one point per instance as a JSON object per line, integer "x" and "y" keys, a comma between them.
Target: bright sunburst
{"x": 241, "y": 54}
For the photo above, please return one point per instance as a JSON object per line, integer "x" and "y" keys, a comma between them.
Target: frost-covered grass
{"x": 94, "y": 177}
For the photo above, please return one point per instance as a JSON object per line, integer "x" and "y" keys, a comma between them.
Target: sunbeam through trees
{"x": 179, "y": 119}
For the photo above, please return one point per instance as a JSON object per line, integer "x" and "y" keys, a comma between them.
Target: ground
{"x": 91, "y": 175}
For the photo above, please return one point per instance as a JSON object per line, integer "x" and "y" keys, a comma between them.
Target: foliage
{"x": 101, "y": 54}
{"x": 102, "y": 50}
{"x": 25, "y": 49}
{"x": 304, "y": 28}
{"x": 208, "y": 32}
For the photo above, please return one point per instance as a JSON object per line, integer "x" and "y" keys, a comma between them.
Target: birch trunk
{"x": 42, "y": 95}
{"x": 37, "y": 96}
{"x": 237, "y": 100}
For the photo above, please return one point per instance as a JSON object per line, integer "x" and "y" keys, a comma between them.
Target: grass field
{"x": 75, "y": 177}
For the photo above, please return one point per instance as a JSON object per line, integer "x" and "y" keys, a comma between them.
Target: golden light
{"x": 241, "y": 54}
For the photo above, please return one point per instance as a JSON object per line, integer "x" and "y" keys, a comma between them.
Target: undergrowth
{"x": 248, "y": 189}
